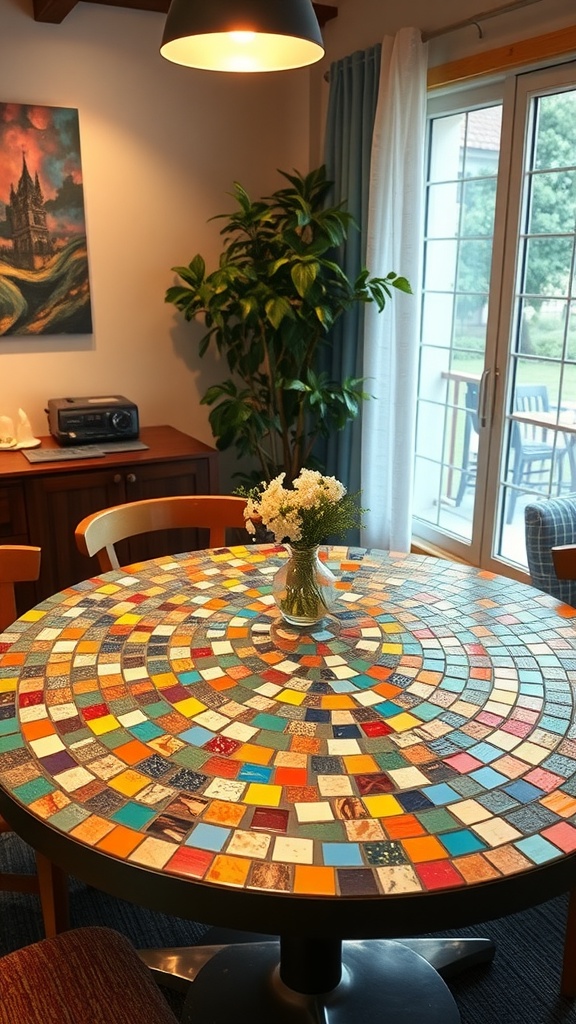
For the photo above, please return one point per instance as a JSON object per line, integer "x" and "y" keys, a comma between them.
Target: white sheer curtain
{"x": 394, "y": 242}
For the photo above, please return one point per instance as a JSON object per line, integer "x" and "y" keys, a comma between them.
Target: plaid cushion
{"x": 548, "y": 523}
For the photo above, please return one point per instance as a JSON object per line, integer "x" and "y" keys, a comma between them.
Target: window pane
{"x": 463, "y": 163}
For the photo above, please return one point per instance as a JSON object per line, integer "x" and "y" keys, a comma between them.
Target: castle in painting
{"x": 26, "y": 216}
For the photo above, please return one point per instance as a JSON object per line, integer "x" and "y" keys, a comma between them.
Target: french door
{"x": 496, "y": 425}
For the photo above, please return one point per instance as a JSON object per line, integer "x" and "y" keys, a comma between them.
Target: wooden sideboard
{"x": 43, "y": 503}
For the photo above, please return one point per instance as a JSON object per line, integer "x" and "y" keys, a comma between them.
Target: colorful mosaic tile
{"x": 420, "y": 738}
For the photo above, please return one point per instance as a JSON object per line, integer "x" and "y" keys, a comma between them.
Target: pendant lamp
{"x": 242, "y": 35}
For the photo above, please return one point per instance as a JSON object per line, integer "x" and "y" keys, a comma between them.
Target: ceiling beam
{"x": 54, "y": 11}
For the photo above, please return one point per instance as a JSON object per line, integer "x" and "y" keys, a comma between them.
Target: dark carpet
{"x": 521, "y": 986}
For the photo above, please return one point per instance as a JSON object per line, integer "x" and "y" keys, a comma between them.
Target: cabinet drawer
{"x": 13, "y": 524}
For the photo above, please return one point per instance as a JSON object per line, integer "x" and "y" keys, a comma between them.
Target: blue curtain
{"x": 352, "y": 103}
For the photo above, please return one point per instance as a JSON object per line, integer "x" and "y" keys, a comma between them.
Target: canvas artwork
{"x": 44, "y": 281}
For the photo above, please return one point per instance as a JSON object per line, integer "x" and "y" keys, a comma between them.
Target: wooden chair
{"x": 98, "y": 533}
{"x": 20, "y": 563}
{"x": 90, "y": 974}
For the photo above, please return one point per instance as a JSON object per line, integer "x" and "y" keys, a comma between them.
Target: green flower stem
{"x": 303, "y": 597}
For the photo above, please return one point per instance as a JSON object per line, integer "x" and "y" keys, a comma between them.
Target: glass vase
{"x": 304, "y": 588}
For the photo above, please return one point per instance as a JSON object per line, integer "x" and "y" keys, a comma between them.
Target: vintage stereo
{"x": 89, "y": 420}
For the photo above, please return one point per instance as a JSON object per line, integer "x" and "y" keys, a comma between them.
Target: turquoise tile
{"x": 146, "y": 731}
{"x": 133, "y": 815}
{"x": 34, "y": 789}
{"x": 462, "y": 842}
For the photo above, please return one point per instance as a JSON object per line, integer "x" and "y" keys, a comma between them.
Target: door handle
{"x": 483, "y": 397}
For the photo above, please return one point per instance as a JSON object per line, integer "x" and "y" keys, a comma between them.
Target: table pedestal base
{"x": 326, "y": 982}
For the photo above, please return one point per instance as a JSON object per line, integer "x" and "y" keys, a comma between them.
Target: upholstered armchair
{"x": 550, "y": 523}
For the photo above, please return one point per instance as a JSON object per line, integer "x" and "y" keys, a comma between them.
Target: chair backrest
{"x": 19, "y": 563}
{"x": 98, "y": 533}
{"x": 549, "y": 524}
{"x": 529, "y": 398}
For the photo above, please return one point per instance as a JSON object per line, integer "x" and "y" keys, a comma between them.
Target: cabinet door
{"x": 56, "y": 504}
{"x": 167, "y": 479}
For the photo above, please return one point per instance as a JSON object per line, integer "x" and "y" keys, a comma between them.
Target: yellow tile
{"x": 261, "y": 793}
{"x": 189, "y": 707}
{"x": 291, "y": 697}
{"x": 105, "y": 724}
{"x": 129, "y": 782}
{"x": 402, "y": 722}
{"x": 382, "y": 806}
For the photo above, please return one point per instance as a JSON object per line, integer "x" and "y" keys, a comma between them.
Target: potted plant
{"x": 268, "y": 308}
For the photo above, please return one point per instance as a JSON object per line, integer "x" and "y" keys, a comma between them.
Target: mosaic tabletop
{"x": 421, "y": 738}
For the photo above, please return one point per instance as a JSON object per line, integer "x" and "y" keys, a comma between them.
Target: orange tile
{"x": 229, "y": 870}
{"x": 315, "y": 880}
{"x": 86, "y": 686}
{"x": 402, "y": 826}
{"x": 433, "y": 678}
{"x": 419, "y": 754}
{"x": 290, "y": 777}
{"x": 223, "y": 683}
{"x": 92, "y": 830}
{"x": 254, "y": 754}
{"x": 561, "y": 803}
{"x": 475, "y": 868}
{"x": 49, "y": 804}
{"x": 379, "y": 672}
{"x": 132, "y": 752}
{"x": 305, "y": 744}
{"x": 360, "y": 764}
{"x": 386, "y": 689}
{"x": 423, "y": 849}
{"x": 340, "y": 702}
{"x": 36, "y": 730}
{"x": 222, "y": 812}
{"x": 121, "y": 841}
{"x": 13, "y": 659}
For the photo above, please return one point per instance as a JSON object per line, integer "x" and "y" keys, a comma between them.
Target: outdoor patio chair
{"x": 532, "y": 447}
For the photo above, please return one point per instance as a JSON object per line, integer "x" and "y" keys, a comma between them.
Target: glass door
{"x": 537, "y": 329}
{"x": 462, "y": 176}
{"x": 496, "y": 423}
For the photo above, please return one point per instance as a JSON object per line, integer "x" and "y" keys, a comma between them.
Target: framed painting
{"x": 44, "y": 280}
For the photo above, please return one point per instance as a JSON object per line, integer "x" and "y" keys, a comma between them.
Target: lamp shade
{"x": 242, "y": 35}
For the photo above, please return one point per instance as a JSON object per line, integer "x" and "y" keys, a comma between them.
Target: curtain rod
{"x": 475, "y": 19}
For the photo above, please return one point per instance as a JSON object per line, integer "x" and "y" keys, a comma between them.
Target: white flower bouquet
{"x": 314, "y": 508}
{"x": 305, "y": 515}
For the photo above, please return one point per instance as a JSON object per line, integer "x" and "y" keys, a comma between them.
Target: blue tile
{"x": 208, "y": 837}
{"x": 342, "y": 854}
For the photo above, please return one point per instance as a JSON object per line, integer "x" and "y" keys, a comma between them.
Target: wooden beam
{"x": 54, "y": 11}
{"x": 525, "y": 52}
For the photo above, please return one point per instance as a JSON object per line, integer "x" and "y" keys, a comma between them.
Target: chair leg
{"x": 568, "y": 980}
{"x": 53, "y": 888}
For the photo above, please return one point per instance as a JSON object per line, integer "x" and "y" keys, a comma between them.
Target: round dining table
{"x": 406, "y": 765}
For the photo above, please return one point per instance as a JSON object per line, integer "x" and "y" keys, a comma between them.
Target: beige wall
{"x": 161, "y": 147}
